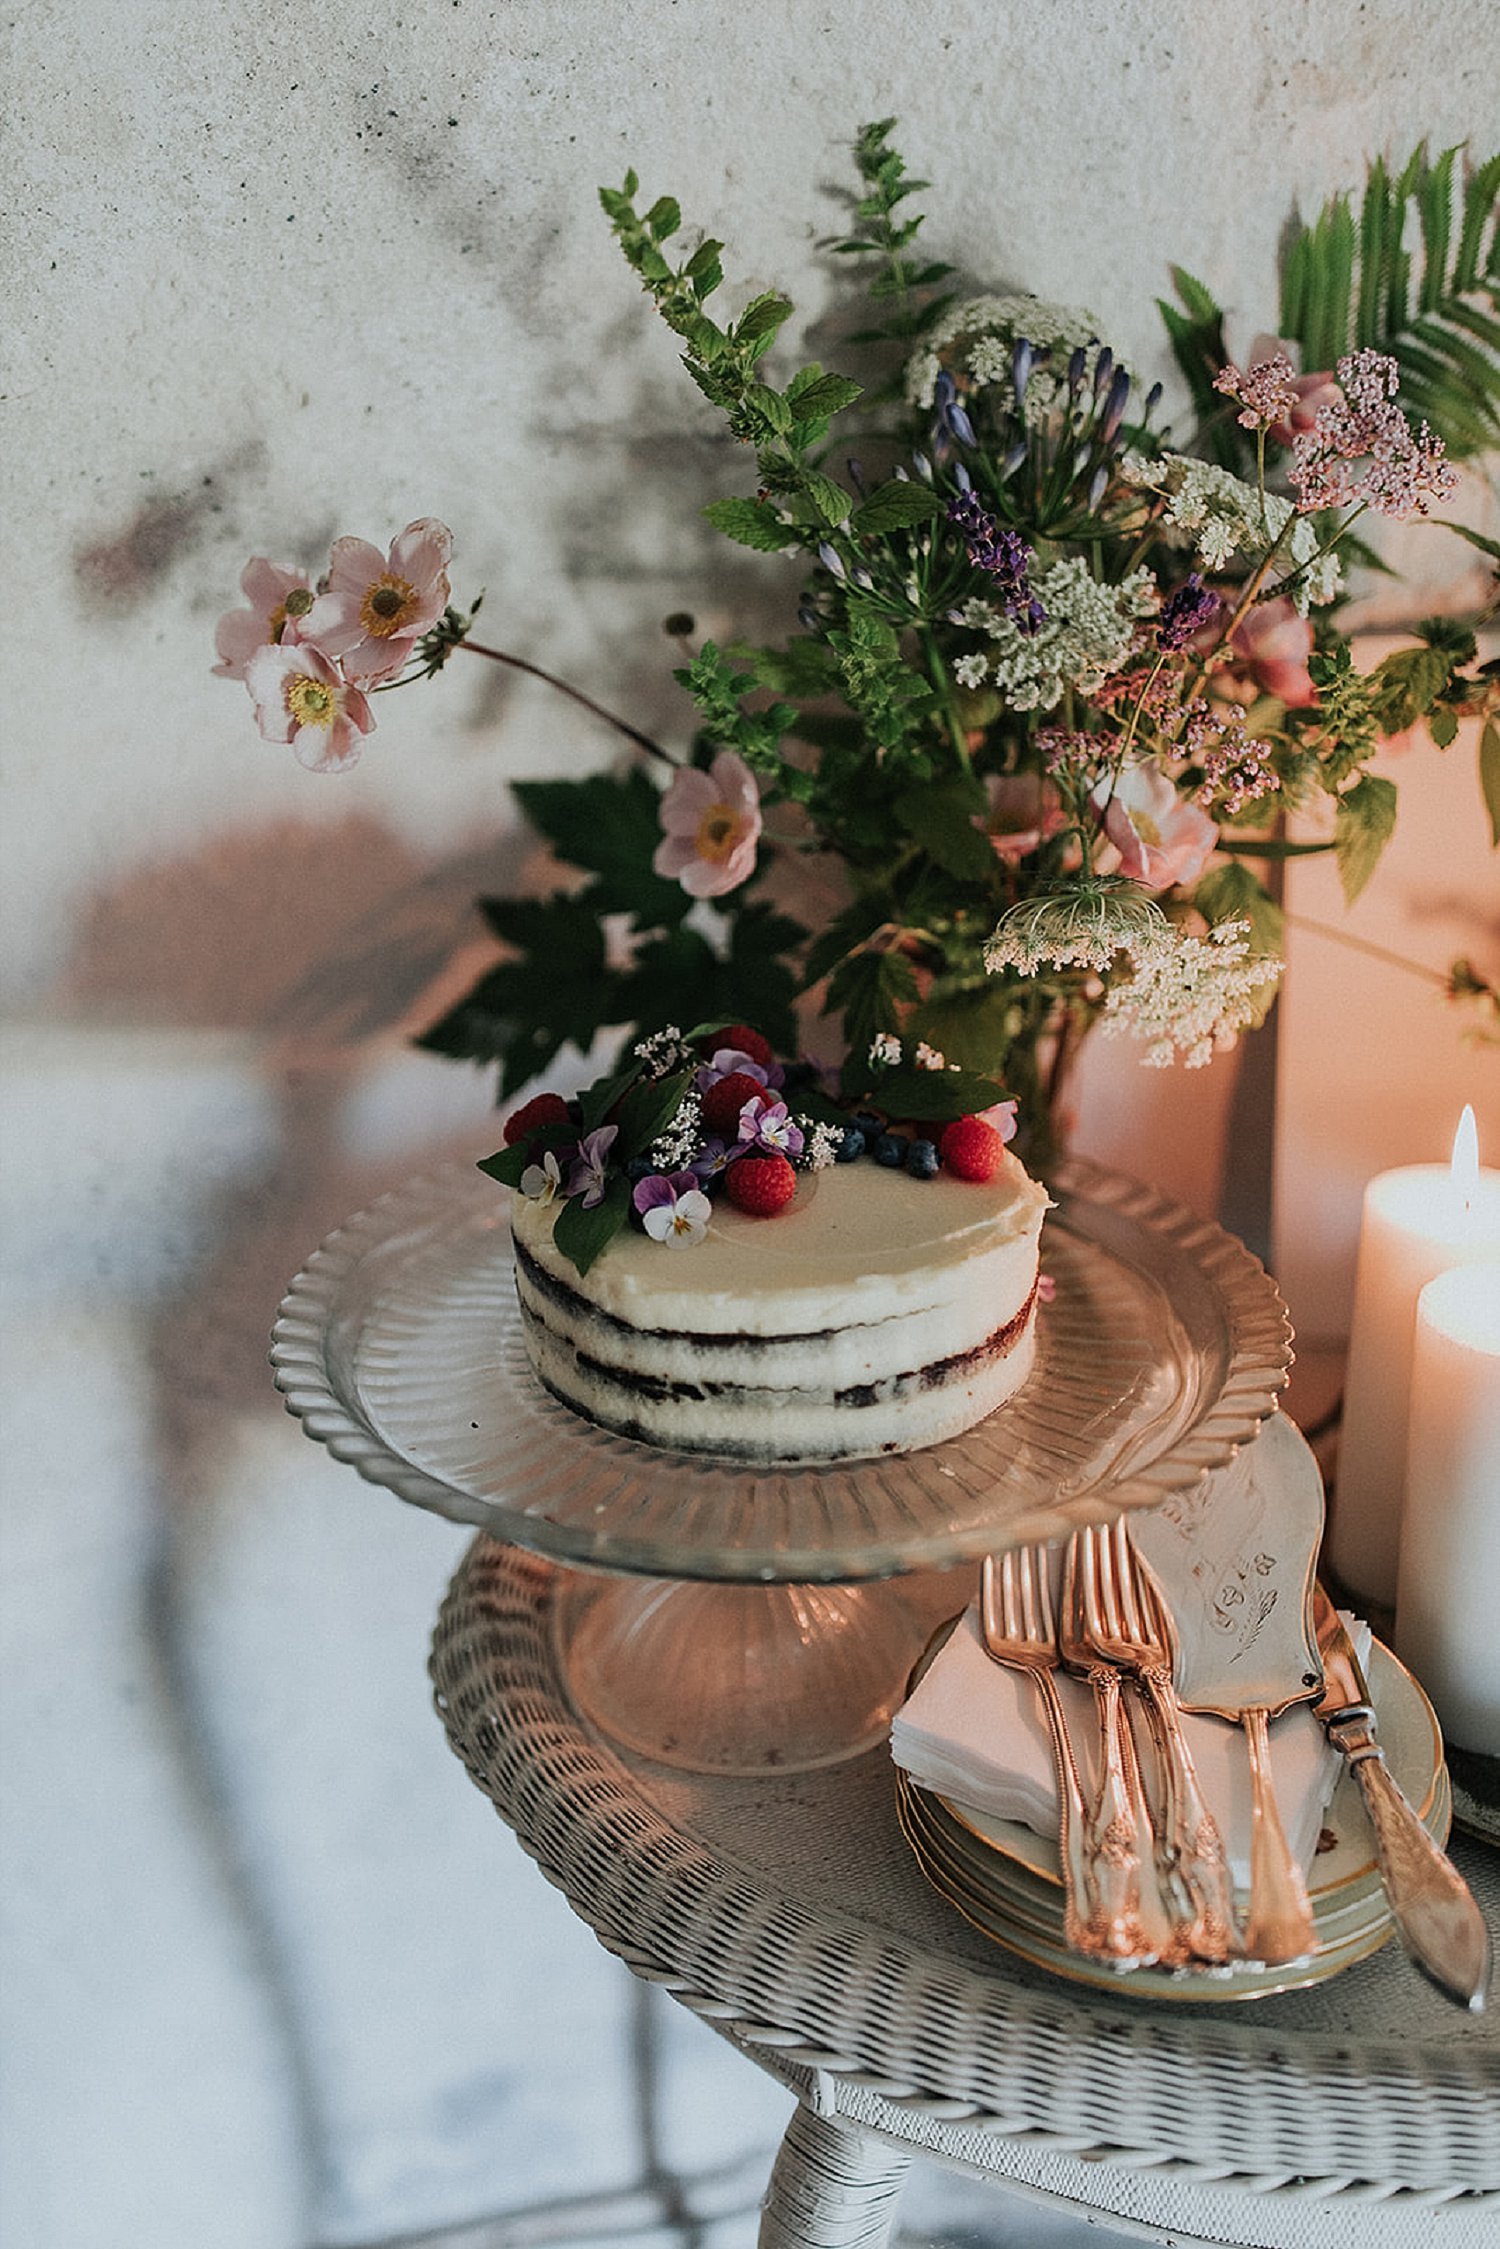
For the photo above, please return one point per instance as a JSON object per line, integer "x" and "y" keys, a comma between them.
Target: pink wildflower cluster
{"x": 1266, "y": 391}
{"x": 308, "y": 653}
{"x": 1361, "y": 447}
{"x": 1236, "y": 767}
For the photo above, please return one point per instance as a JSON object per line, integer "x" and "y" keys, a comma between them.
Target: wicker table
{"x": 788, "y": 1913}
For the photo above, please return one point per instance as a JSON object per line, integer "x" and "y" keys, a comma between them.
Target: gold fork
{"x": 1121, "y": 1847}
{"x": 1134, "y": 1630}
{"x": 1015, "y": 1612}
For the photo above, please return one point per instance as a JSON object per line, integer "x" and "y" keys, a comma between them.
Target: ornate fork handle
{"x": 1130, "y": 1923}
{"x": 1194, "y": 1845}
{"x": 1281, "y": 1926}
{"x": 1080, "y": 1910}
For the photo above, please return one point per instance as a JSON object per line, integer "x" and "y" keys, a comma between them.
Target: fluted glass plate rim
{"x": 398, "y": 1347}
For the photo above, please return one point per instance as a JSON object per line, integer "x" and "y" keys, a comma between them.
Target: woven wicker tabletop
{"x": 790, "y": 1913}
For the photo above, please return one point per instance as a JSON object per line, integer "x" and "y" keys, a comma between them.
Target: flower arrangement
{"x": 1056, "y": 684}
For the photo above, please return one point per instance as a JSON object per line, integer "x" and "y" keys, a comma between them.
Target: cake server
{"x": 1434, "y": 1910}
{"x": 1236, "y": 1557}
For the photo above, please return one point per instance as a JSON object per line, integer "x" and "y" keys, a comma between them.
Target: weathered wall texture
{"x": 274, "y": 273}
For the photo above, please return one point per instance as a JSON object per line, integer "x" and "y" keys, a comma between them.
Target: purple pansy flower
{"x": 587, "y": 1176}
{"x": 673, "y": 1208}
{"x": 716, "y": 1155}
{"x": 768, "y": 1124}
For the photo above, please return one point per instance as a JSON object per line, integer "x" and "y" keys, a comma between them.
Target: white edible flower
{"x": 821, "y": 1144}
{"x": 675, "y": 1148}
{"x": 928, "y": 1058}
{"x": 1088, "y": 632}
{"x": 884, "y": 1050}
{"x": 680, "y": 1223}
{"x": 1191, "y": 997}
{"x": 542, "y": 1183}
{"x": 974, "y": 341}
{"x": 1224, "y": 516}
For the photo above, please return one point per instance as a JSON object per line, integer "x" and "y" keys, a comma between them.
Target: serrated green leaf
{"x": 1442, "y": 725}
{"x": 1363, "y": 824}
{"x": 663, "y": 218}
{"x": 830, "y": 500}
{"x": 750, "y": 523}
{"x": 609, "y": 824}
{"x": 930, "y": 1096}
{"x": 894, "y": 507}
{"x": 869, "y": 989}
{"x": 858, "y": 921}
{"x": 1489, "y": 775}
{"x": 762, "y": 316}
{"x": 826, "y": 395}
{"x": 941, "y": 818}
{"x": 1406, "y": 684}
{"x": 1232, "y": 894}
{"x": 584, "y": 1235}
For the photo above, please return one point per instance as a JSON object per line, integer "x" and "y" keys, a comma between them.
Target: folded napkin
{"x": 973, "y": 1730}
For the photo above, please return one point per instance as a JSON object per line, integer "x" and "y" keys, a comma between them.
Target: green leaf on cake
{"x": 930, "y": 1096}
{"x": 644, "y": 1113}
{"x": 584, "y": 1235}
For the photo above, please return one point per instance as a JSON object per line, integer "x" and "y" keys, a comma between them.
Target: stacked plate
{"x": 1007, "y": 1881}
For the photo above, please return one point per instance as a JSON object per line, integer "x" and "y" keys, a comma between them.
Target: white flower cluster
{"x": 677, "y": 1146}
{"x": 1089, "y": 632}
{"x": 1190, "y": 997}
{"x": 1083, "y": 926}
{"x": 1225, "y": 517}
{"x": 664, "y": 1052}
{"x": 820, "y": 1144}
{"x": 885, "y": 1051}
{"x": 974, "y": 340}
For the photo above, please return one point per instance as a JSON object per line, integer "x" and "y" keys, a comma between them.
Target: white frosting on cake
{"x": 877, "y": 1313}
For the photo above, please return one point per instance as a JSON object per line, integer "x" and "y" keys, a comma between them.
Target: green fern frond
{"x": 1416, "y": 273}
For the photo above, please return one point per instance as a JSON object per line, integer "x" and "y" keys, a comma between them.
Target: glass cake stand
{"x": 728, "y": 1618}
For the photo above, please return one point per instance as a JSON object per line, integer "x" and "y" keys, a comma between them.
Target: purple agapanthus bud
{"x": 1153, "y": 399}
{"x": 961, "y": 426}
{"x": 1097, "y": 484}
{"x": 1022, "y": 360}
{"x": 1077, "y": 361}
{"x": 830, "y": 558}
{"x": 856, "y": 475}
{"x": 1103, "y": 369}
{"x": 1185, "y": 613}
{"x": 962, "y": 478}
{"x": 923, "y": 467}
{"x": 1114, "y": 405}
{"x": 1013, "y": 459}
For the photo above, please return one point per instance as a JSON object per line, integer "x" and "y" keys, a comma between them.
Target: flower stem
{"x": 576, "y": 694}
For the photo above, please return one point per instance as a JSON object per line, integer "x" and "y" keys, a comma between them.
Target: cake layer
{"x": 878, "y": 1313}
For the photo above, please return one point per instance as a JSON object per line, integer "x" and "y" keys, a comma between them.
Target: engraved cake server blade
{"x": 1435, "y": 1914}
{"x": 1238, "y": 1566}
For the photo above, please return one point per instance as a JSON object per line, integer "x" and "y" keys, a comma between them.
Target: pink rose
{"x": 1161, "y": 837}
{"x": 711, "y": 824}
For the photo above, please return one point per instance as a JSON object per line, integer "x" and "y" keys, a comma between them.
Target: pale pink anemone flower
{"x": 1271, "y": 647}
{"x": 279, "y": 600}
{"x": 711, "y": 824}
{"x": 301, "y": 698}
{"x": 376, "y": 608}
{"x": 1161, "y": 837}
{"x": 1024, "y": 809}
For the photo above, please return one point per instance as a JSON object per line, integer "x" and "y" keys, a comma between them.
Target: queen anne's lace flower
{"x": 975, "y": 340}
{"x": 1225, "y": 517}
{"x": 1192, "y": 996}
{"x": 1083, "y": 925}
{"x": 1088, "y": 630}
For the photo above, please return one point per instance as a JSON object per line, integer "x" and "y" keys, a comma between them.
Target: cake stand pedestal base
{"x": 740, "y": 1679}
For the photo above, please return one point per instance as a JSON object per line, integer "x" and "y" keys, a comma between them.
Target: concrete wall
{"x": 274, "y": 1973}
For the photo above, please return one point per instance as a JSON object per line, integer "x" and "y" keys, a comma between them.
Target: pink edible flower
{"x": 376, "y": 608}
{"x": 1023, "y": 810}
{"x": 300, "y": 698}
{"x": 1002, "y": 1118}
{"x": 1161, "y": 837}
{"x": 711, "y": 824}
{"x": 1272, "y": 644}
{"x": 1362, "y": 447}
{"x": 279, "y": 600}
{"x": 732, "y": 1062}
{"x": 589, "y": 1175}
{"x": 768, "y": 1124}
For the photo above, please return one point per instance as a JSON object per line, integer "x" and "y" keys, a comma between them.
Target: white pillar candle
{"x": 1448, "y": 1587}
{"x": 1417, "y": 1222}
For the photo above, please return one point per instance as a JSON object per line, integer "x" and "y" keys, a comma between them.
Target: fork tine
{"x": 1026, "y": 1564}
{"x": 1093, "y": 1620}
{"x": 1042, "y": 1573}
{"x": 1133, "y": 1612}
